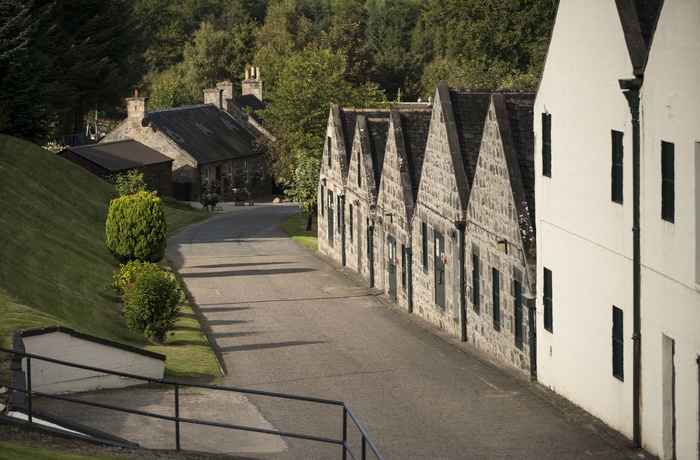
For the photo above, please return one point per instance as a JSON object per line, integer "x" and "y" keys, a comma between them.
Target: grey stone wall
{"x": 492, "y": 217}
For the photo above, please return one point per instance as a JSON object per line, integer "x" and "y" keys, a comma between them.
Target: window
{"x": 475, "y": 283}
{"x": 617, "y": 154}
{"x": 547, "y": 144}
{"x": 323, "y": 203}
{"x": 667, "y": 182}
{"x": 518, "y": 310}
{"x": 618, "y": 344}
{"x": 359, "y": 169}
{"x": 403, "y": 266}
{"x": 424, "y": 233}
{"x": 496, "y": 297}
{"x": 548, "y": 300}
{"x": 330, "y": 151}
{"x": 350, "y": 222}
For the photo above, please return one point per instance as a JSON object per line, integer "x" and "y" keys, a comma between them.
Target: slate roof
{"x": 205, "y": 132}
{"x": 520, "y": 117}
{"x": 469, "y": 109}
{"x": 119, "y": 155}
{"x": 250, "y": 101}
{"x": 378, "y": 130}
{"x": 638, "y": 19}
{"x": 349, "y": 120}
{"x": 415, "y": 127}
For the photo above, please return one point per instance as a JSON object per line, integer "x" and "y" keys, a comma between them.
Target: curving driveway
{"x": 285, "y": 320}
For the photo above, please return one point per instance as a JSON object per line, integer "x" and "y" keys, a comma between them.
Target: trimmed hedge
{"x": 152, "y": 304}
{"x": 136, "y": 228}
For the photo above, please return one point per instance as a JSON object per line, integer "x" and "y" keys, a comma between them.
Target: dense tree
{"x": 309, "y": 82}
{"x": 24, "y": 74}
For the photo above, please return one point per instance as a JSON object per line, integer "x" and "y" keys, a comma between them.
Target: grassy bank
{"x": 54, "y": 262}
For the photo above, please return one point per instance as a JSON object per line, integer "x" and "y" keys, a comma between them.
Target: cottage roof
{"x": 250, "y": 104}
{"x": 520, "y": 116}
{"x": 415, "y": 126}
{"x": 638, "y": 19}
{"x": 119, "y": 155}
{"x": 378, "y": 130}
{"x": 469, "y": 108}
{"x": 205, "y": 132}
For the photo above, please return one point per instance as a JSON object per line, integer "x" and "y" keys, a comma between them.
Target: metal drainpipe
{"x": 630, "y": 88}
{"x": 341, "y": 212}
{"x": 532, "y": 334}
{"x": 461, "y": 226}
{"x": 409, "y": 275}
{"x": 370, "y": 245}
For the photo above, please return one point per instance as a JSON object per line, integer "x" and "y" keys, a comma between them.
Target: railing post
{"x": 29, "y": 389}
{"x": 364, "y": 447}
{"x": 177, "y": 416}
{"x": 345, "y": 432}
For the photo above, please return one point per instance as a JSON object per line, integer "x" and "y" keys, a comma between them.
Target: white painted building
{"x": 585, "y": 216}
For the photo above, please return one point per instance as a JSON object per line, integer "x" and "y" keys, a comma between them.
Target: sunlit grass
{"x": 297, "y": 230}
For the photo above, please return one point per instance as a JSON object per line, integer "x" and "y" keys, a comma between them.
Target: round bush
{"x": 128, "y": 273}
{"x": 151, "y": 304}
{"x": 136, "y": 228}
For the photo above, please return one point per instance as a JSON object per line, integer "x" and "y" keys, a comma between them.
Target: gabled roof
{"x": 415, "y": 126}
{"x": 348, "y": 119}
{"x": 205, "y": 132}
{"x": 469, "y": 108}
{"x": 638, "y": 19}
{"x": 378, "y": 129}
{"x": 119, "y": 155}
{"x": 520, "y": 117}
{"x": 250, "y": 104}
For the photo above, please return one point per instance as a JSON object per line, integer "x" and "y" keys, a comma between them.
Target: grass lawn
{"x": 298, "y": 232}
{"x": 54, "y": 261}
{"x": 16, "y": 452}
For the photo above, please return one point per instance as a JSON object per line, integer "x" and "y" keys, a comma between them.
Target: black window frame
{"x": 496, "y": 297}
{"x": 329, "y": 144}
{"x": 547, "y": 144}
{"x": 476, "y": 298}
{"x": 323, "y": 203}
{"x": 351, "y": 222}
{"x": 547, "y": 299}
{"x": 617, "y": 178}
{"x": 424, "y": 233}
{"x": 518, "y": 310}
{"x": 668, "y": 192}
{"x": 618, "y": 344}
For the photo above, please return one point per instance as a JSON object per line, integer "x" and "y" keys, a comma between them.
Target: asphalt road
{"x": 283, "y": 319}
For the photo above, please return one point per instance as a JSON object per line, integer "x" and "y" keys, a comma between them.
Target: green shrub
{"x": 151, "y": 304}
{"x": 128, "y": 273}
{"x": 130, "y": 183}
{"x": 136, "y": 228}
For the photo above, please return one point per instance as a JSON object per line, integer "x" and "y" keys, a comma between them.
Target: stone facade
{"x": 500, "y": 234}
{"x": 408, "y": 195}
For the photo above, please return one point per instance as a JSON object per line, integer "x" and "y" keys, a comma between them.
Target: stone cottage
{"x": 500, "y": 232}
{"x": 403, "y": 160}
{"x": 211, "y": 150}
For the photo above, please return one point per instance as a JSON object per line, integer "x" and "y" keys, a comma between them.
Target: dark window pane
{"x": 617, "y": 171}
{"x": 547, "y": 144}
{"x": 548, "y": 323}
{"x": 518, "y": 301}
{"x": 475, "y": 283}
{"x": 617, "y": 344}
{"x": 667, "y": 182}
{"x": 496, "y": 297}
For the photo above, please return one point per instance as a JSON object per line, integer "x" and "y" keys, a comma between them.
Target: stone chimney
{"x": 137, "y": 107}
{"x": 226, "y": 87}
{"x": 214, "y": 96}
{"x": 252, "y": 83}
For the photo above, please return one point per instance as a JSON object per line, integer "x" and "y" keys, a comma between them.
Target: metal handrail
{"x": 177, "y": 419}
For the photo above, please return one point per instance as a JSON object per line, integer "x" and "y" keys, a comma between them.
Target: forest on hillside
{"x": 62, "y": 61}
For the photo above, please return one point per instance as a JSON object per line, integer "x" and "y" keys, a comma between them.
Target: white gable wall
{"x": 670, "y": 272}
{"x": 584, "y": 238}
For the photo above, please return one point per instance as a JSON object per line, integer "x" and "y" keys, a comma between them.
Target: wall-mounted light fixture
{"x": 356, "y": 202}
{"x": 323, "y": 181}
{"x": 503, "y": 246}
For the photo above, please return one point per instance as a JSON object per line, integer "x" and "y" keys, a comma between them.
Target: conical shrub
{"x": 136, "y": 228}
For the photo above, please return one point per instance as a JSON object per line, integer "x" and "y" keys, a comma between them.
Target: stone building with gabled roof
{"x": 110, "y": 158}
{"x": 211, "y": 150}
{"x": 500, "y": 234}
{"x": 439, "y": 219}
{"x": 398, "y": 189}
